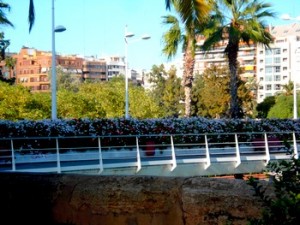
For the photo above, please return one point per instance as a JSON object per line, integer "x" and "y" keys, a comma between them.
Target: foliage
{"x": 9, "y": 62}
{"x": 78, "y": 105}
{"x": 283, "y": 207}
{"x": 166, "y": 90}
{"x": 13, "y": 101}
{"x": 84, "y": 100}
{"x": 157, "y": 79}
{"x": 4, "y": 7}
{"x": 283, "y": 107}
{"x": 172, "y": 95}
{"x": 212, "y": 95}
{"x": 65, "y": 80}
{"x": 264, "y": 107}
{"x": 288, "y": 88}
{"x": 117, "y": 126}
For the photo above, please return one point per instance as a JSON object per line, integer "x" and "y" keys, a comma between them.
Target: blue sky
{"x": 96, "y": 27}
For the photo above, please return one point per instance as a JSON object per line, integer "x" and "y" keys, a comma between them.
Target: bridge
{"x": 157, "y": 155}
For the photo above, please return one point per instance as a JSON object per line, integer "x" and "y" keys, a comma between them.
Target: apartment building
{"x": 216, "y": 56}
{"x": 32, "y": 68}
{"x": 94, "y": 69}
{"x": 279, "y": 64}
{"x": 270, "y": 68}
{"x": 115, "y": 66}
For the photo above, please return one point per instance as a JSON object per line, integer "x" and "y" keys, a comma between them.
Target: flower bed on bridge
{"x": 100, "y": 127}
{"x": 187, "y": 130}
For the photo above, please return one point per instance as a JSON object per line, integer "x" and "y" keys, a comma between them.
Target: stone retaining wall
{"x": 126, "y": 200}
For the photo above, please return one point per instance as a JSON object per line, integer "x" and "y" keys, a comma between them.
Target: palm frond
{"x": 173, "y": 37}
{"x": 3, "y": 19}
{"x": 31, "y": 15}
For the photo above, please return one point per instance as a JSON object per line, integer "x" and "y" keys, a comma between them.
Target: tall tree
{"x": 10, "y": 63}
{"x": 264, "y": 107}
{"x": 172, "y": 94}
{"x": 191, "y": 15}
{"x": 211, "y": 93}
{"x": 237, "y": 21}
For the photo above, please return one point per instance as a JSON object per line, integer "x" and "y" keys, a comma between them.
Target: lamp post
{"x": 297, "y": 52}
{"x": 53, "y": 76}
{"x": 127, "y": 36}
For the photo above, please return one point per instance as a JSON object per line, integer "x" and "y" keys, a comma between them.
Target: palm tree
{"x": 191, "y": 16}
{"x": 237, "y": 21}
{"x": 4, "y": 22}
{"x": 288, "y": 88}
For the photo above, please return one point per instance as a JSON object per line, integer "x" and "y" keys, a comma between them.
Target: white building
{"x": 279, "y": 64}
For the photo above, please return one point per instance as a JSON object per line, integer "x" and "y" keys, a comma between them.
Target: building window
{"x": 284, "y": 59}
{"x": 277, "y": 69}
{"x": 284, "y": 50}
{"x": 268, "y": 87}
{"x": 277, "y": 51}
{"x": 269, "y": 61}
{"x": 277, "y": 87}
{"x": 269, "y": 78}
{"x": 277, "y": 78}
{"x": 277, "y": 60}
{"x": 261, "y": 79}
{"x": 269, "y": 69}
{"x": 268, "y": 52}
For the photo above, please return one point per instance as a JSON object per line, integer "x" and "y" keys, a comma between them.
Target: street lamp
{"x": 126, "y": 36}
{"x": 53, "y": 76}
{"x": 297, "y": 52}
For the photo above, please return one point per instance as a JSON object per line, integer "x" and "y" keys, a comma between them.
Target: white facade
{"x": 279, "y": 64}
{"x": 115, "y": 66}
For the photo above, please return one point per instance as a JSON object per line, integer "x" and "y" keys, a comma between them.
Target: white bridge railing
{"x": 161, "y": 155}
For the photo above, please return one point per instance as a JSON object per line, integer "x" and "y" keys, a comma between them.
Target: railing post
{"x": 57, "y": 156}
{"x": 208, "y": 163}
{"x": 267, "y": 149}
{"x": 138, "y": 155}
{"x": 238, "y": 155}
{"x": 13, "y": 161}
{"x": 173, "y": 154}
{"x": 295, "y": 146}
{"x": 100, "y": 156}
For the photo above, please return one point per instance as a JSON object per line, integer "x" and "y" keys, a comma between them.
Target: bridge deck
{"x": 164, "y": 155}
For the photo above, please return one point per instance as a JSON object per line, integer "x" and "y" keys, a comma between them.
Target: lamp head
{"x": 59, "y": 29}
{"x": 129, "y": 35}
{"x": 146, "y": 37}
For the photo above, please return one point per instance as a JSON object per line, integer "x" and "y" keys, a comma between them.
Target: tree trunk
{"x": 235, "y": 110}
{"x": 187, "y": 79}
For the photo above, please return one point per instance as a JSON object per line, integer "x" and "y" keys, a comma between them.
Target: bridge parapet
{"x": 159, "y": 155}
